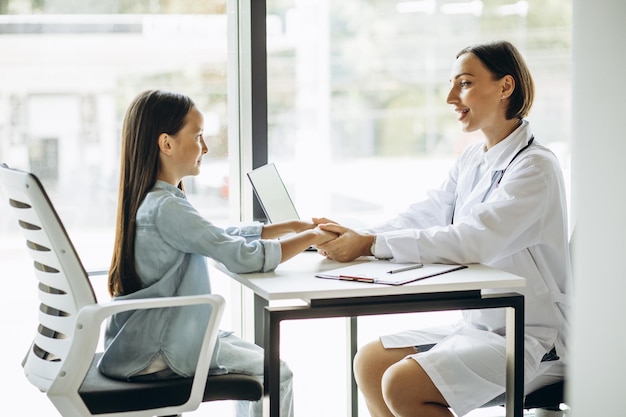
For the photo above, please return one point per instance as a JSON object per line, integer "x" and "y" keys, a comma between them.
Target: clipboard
{"x": 382, "y": 272}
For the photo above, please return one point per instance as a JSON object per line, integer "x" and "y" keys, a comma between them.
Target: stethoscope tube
{"x": 497, "y": 176}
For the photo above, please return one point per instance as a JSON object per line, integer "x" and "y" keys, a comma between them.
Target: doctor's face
{"x": 475, "y": 95}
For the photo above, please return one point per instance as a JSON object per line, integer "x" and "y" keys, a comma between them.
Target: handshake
{"x": 331, "y": 239}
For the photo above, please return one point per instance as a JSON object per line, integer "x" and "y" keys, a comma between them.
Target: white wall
{"x": 598, "y": 358}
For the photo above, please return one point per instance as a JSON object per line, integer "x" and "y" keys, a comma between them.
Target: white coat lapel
{"x": 469, "y": 197}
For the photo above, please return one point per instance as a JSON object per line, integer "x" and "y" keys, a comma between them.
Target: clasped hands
{"x": 347, "y": 245}
{"x": 331, "y": 239}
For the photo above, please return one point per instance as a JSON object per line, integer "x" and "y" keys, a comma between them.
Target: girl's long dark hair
{"x": 150, "y": 114}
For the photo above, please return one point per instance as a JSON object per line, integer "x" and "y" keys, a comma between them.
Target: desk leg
{"x": 352, "y": 336}
{"x": 514, "y": 304}
{"x": 259, "y": 311}
{"x": 271, "y": 373}
{"x": 515, "y": 361}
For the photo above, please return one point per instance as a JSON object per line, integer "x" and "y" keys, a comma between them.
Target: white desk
{"x": 322, "y": 298}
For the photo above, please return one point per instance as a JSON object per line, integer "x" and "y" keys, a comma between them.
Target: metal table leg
{"x": 354, "y": 307}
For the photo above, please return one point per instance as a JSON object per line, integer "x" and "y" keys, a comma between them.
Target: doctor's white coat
{"x": 520, "y": 226}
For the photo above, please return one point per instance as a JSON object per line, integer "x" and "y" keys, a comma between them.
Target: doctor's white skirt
{"x": 468, "y": 365}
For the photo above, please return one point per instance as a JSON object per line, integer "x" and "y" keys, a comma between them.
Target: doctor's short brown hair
{"x": 502, "y": 58}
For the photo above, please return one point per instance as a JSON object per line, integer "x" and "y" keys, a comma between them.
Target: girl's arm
{"x": 276, "y": 230}
{"x": 293, "y": 245}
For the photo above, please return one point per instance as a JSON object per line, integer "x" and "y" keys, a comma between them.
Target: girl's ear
{"x": 165, "y": 143}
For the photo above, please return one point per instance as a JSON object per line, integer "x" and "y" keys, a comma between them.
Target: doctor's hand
{"x": 348, "y": 246}
{"x": 295, "y": 244}
{"x": 322, "y": 220}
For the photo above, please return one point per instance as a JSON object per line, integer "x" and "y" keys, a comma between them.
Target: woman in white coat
{"x": 503, "y": 204}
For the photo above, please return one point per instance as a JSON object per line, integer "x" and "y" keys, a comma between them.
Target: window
{"x": 359, "y": 127}
{"x": 73, "y": 75}
{"x": 358, "y": 121}
{"x": 356, "y": 117}
{"x": 69, "y": 71}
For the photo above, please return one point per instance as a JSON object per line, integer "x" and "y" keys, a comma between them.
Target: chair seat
{"x": 548, "y": 397}
{"x": 106, "y": 395}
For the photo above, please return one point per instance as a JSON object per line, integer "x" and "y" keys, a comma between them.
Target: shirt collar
{"x": 164, "y": 185}
{"x": 499, "y": 156}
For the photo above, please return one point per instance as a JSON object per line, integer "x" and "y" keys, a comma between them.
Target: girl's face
{"x": 188, "y": 146}
{"x": 479, "y": 100}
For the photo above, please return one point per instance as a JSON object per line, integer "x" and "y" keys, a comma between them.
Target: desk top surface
{"x": 295, "y": 279}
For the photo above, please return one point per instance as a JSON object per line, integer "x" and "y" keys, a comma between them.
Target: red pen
{"x": 356, "y": 278}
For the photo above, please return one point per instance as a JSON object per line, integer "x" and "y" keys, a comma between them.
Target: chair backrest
{"x": 63, "y": 284}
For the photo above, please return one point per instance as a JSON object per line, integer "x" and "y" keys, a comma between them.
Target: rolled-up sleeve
{"x": 239, "y": 248}
{"x": 252, "y": 232}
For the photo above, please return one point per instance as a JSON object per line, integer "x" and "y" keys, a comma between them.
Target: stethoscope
{"x": 497, "y": 176}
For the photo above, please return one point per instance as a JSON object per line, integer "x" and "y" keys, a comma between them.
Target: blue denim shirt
{"x": 171, "y": 246}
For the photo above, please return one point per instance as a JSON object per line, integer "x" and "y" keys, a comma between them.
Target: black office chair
{"x": 545, "y": 401}
{"x": 62, "y": 358}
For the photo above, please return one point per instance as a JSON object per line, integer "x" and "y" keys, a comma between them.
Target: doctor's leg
{"x": 393, "y": 386}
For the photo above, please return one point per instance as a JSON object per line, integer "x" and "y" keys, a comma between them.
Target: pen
{"x": 356, "y": 278}
{"x": 406, "y": 268}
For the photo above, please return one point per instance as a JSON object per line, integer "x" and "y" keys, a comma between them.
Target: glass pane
{"x": 359, "y": 127}
{"x": 74, "y": 70}
{"x": 358, "y": 121}
{"x": 68, "y": 71}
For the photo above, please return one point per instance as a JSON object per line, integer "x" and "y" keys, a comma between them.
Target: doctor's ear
{"x": 165, "y": 143}
{"x": 508, "y": 86}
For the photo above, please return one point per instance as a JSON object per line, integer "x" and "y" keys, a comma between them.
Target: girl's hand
{"x": 301, "y": 225}
{"x": 323, "y": 220}
{"x": 297, "y": 243}
{"x": 322, "y": 236}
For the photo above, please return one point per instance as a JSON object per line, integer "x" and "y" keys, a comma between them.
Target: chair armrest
{"x": 88, "y": 323}
{"x": 100, "y": 312}
{"x": 97, "y": 272}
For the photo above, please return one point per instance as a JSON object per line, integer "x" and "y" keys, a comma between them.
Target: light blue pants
{"x": 241, "y": 357}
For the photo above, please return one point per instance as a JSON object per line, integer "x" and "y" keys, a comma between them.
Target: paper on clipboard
{"x": 378, "y": 272}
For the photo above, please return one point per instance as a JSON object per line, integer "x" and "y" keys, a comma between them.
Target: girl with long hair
{"x": 161, "y": 246}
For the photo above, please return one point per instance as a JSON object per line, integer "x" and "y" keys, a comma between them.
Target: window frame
{"x": 248, "y": 131}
